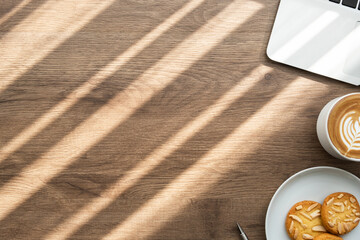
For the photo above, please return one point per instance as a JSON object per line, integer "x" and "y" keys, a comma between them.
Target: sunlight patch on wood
{"x": 63, "y": 19}
{"x": 14, "y": 11}
{"x": 157, "y": 156}
{"x": 199, "y": 178}
{"x": 123, "y": 105}
{"x": 80, "y": 92}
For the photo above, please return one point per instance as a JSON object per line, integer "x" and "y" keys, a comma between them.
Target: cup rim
{"x": 336, "y": 100}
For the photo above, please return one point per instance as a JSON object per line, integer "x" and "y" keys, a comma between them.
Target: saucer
{"x": 310, "y": 184}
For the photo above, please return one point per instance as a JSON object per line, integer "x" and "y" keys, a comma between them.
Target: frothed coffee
{"x": 344, "y": 126}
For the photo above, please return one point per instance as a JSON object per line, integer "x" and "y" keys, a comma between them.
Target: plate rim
{"x": 286, "y": 182}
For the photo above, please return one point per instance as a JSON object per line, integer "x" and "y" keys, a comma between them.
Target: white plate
{"x": 310, "y": 184}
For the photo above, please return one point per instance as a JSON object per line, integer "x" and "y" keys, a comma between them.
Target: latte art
{"x": 344, "y": 126}
{"x": 350, "y": 131}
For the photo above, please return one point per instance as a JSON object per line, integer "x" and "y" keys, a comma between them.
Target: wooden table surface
{"x": 149, "y": 119}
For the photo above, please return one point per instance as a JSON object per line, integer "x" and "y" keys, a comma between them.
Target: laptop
{"x": 320, "y": 36}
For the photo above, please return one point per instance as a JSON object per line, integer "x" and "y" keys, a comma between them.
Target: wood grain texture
{"x": 115, "y": 128}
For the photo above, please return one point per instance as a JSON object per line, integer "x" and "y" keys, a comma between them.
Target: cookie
{"x": 340, "y": 213}
{"x": 303, "y": 221}
{"x": 327, "y": 236}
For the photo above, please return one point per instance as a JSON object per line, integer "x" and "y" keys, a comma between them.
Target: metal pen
{"x": 242, "y": 233}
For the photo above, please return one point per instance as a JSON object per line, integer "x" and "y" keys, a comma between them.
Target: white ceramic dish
{"x": 310, "y": 184}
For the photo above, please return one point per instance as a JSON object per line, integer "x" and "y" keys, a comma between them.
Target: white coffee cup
{"x": 323, "y": 133}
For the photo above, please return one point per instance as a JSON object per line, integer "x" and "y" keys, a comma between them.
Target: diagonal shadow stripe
{"x": 81, "y": 56}
{"x": 71, "y": 16}
{"x": 151, "y": 83}
{"x": 102, "y": 93}
{"x": 91, "y": 103}
{"x": 198, "y": 178}
{"x": 86, "y": 179}
{"x": 158, "y": 178}
{"x": 240, "y": 186}
{"x": 9, "y": 6}
{"x": 80, "y": 92}
{"x": 14, "y": 13}
{"x": 154, "y": 159}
